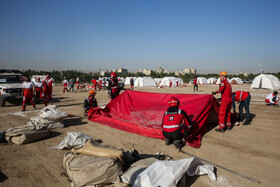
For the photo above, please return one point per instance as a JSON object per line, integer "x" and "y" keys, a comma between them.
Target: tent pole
{"x": 224, "y": 168}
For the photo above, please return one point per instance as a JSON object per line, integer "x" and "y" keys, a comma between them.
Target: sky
{"x": 89, "y": 35}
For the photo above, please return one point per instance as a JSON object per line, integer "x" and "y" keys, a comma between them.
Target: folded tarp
{"x": 142, "y": 112}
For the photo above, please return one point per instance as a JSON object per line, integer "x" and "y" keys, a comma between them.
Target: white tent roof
{"x": 201, "y": 80}
{"x": 165, "y": 81}
{"x": 219, "y": 81}
{"x": 157, "y": 80}
{"x": 144, "y": 82}
{"x": 211, "y": 80}
{"x": 266, "y": 81}
{"x": 127, "y": 80}
{"x": 237, "y": 79}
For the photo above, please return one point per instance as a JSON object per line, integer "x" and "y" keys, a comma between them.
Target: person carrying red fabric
{"x": 226, "y": 103}
{"x": 94, "y": 84}
{"x": 78, "y": 82}
{"x": 175, "y": 124}
{"x": 113, "y": 87}
{"x": 272, "y": 99}
{"x": 244, "y": 99}
{"x": 65, "y": 84}
{"x": 90, "y": 102}
{"x": 39, "y": 90}
{"x": 195, "y": 85}
{"x": 47, "y": 82}
{"x": 27, "y": 92}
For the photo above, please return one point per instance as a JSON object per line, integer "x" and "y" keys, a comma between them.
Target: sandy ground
{"x": 251, "y": 150}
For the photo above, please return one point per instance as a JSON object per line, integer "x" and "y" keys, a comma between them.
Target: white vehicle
{"x": 10, "y": 87}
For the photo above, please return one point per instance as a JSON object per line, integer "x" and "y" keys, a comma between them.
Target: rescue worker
{"x": 94, "y": 84}
{"x": 71, "y": 83}
{"x": 175, "y": 124}
{"x": 100, "y": 83}
{"x": 170, "y": 84}
{"x": 90, "y": 102}
{"x": 47, "y": 82}
{"x": 113, "y": 87}
{"x": 244, "y": 99}
{"x": 177, "y": 83}
{"x": 272, "y": 99}
{"x": 65, "y": 84}
{"x": 39, "y": 90}
{"x": 27, "y": 92}
{"x": 131, "y": 83}
{"x": 195, "y": 85}
{"x": 226, "y": 103}
{"x": 78, "y": 82}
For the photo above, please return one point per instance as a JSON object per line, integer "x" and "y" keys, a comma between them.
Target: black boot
{"x": 247, "y": 123}
{"x": 168, "y": 141}
{"x": 220, "y": 130}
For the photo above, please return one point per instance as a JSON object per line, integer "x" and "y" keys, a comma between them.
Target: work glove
{"x": 213, "y": 93}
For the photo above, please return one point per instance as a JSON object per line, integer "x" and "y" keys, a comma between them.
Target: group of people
{"x": 71, "y": 83}
{"x": 42, "y": 90}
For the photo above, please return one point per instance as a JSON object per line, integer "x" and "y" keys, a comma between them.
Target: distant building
{"x": 245, "y": 74}
{"x": 177, "y": 73}
{"x": 147, "y": 71}
{"x": 122, "y": 71}
{"x": 160, "y": 70}
{"x": 193, "y": 71}
{"x": 187, "y": 71}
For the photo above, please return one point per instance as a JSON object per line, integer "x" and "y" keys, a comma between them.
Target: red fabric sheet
{"x": 142, "y": 112}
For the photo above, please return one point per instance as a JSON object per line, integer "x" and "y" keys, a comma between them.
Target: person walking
{"x": 195, "y": 85}
{"x": 71, "y": 84}
{"x": 39, "y": 90}
{"x": 226, "y": 103}
{"x": 131, "y": 83}
{"x": 78, "y": 82}
{"x": 113, "y": 87}
{"x": 65, "y": 85}
{"x": 27, "y": 92}
{"x": 47, "y": 82}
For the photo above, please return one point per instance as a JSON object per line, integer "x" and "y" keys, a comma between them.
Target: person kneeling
{"x": 90, "y": 102}
{"x": 272, "y": 99}
{"x": 175, "y": 124}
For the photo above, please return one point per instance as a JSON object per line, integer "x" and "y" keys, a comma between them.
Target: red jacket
{"x": 48, "y": 83}
{"x": 225, "y": 89}
{"x": 173, "y": 121}
{"x": 195, "y": 81}
{"x": 240, "y": 96}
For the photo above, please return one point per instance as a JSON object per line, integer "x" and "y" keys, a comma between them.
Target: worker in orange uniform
{"x": 113, "y": 86}
{"x": 27, "y": 92}
{"x": 226, "y": 103}
{"x": 90, "y": 102}
{"x": 175, "y": 124}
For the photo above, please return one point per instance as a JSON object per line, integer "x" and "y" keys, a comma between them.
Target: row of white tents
{"x": 262, "y": 81}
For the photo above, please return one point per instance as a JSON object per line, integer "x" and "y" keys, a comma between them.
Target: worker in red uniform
{"x": 27, "y": 92}
{"x": 244, "y": 99}
{"x": 47, "y": 82}
{"x": 177, "y": 83}
{"x": 272, "y": 99}
{"x": 195, "y": 85}
{"x": 175, "y": 124}
{"x": 90, "y": 102}
{"x": 226, "y": 103}
{"x": 65, "y": 85}
{"x": 131, "y": 83}
{"x": 113, "y": 87}
{"x": 94, "y": 84}
{"x": 39, "y": 90}
{"x": 100, "y": 84}
{"x": 170, "y": 84}
{"x": 78, "y": 82}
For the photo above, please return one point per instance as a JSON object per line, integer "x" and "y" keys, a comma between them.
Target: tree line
{"x": 87, "y": 77}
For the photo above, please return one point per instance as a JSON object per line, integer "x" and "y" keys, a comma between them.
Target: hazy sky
{"x": 209, "y": 35}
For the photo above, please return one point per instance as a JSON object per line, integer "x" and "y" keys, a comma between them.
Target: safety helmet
{"x": 173, "y": 101}
{"x": 113, "y": 75}
{"x": 223, "y": 73}
{"x": 91, "y": 92}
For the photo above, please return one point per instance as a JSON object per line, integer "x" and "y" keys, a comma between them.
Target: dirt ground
{"x": 250, "y": 150}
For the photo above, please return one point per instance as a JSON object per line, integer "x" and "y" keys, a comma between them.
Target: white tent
{"x": 157, "y": 80}
{"x": 144, "y": 82}
{"x": 166, "y": 80}
{"x": 236, "y": 80}
{"x": 219, "y": 82}
{"x": 201, "y": 80}
{"x": 211, "y": 81}
{"x": 266, "y": 81}
{"x": 127, "y": 80}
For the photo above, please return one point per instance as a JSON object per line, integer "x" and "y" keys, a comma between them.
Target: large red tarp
{"x": 142, "y": 112}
